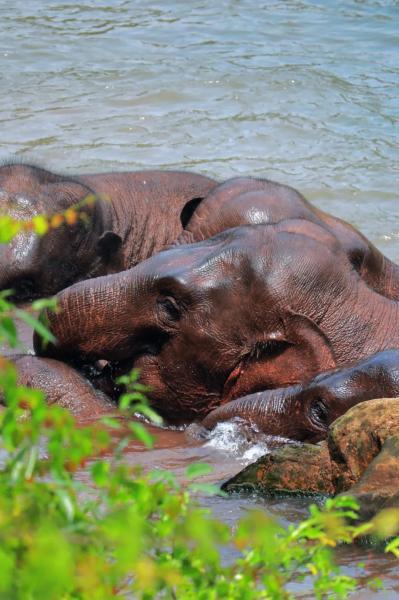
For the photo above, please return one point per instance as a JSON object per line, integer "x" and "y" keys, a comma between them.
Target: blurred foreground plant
{"x": 111, "y": 530}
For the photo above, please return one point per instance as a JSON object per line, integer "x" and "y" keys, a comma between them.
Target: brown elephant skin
{"x": 305, "y": 411}
{"x": 256, "y": 307}
{"x": 62, "y": 385}
{"x": 245, "y": 200}
{"x": 135, "y": 214}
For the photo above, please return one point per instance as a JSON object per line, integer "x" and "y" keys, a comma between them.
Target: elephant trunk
{"x": 274, "y": 412}
{"x": 89, "y": 319}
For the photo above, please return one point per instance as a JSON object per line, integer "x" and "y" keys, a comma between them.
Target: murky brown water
{"x": 305, "y": 92}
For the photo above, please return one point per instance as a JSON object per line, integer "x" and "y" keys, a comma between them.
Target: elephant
{"x": 137, "y": 214}
{"x": 246, "y": 200}
{"x": 134, "y": 215}
{"x": 253, "y": 308}
{"x": 305, "y": 411}
{"x": 63, "y": 385}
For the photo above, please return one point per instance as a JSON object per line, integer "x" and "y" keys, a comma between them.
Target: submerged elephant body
{"x": 254, "y": 308}
{"x": 133, "y": 216}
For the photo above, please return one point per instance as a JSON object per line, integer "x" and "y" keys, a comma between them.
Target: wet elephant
{"x": 254, "y": 308}
{"x": 246, "y": 200}
{"x": 305, "y": 411}
{"x": 134, "y": 215}
{"x": 62, "y": 385}
{"x": 137, "y": 214}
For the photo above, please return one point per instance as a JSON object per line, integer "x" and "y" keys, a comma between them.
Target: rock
{"x": 360, "y": 458}
{"x": 304, "y": 468}
{"x": 356, "y": 438}
{"x": 378, "y": 488}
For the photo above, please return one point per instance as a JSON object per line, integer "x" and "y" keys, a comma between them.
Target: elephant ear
{"x": 310, "y": 350}
{"x": 188, "y": 210}
{"x": 109, "y": 247}
{"x": 294, "y": 353}
{"x": 186, "y": 236}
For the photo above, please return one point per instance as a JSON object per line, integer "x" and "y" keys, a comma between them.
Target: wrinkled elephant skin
{"x": 245, "y": 200}
{"x": 256, "y": 307}
{"x": 304, "y": 412}
{"x": 133, "y": 216}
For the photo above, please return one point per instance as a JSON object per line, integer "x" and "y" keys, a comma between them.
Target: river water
{"x": 298, "y": 91}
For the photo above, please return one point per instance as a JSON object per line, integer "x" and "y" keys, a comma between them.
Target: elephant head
{"x": 33, "y": 266}
{"x": 305, "y": 411}
{"x": 253, "y": 308}
{"x": 246, "y": 200}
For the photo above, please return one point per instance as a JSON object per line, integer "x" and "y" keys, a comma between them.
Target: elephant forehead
{"x": 231, "y": 270}
{"x": 183, "y": 261}
{"x": 14, "y": 177}
{"x": 259, "y": 207}
{"x": 19, "y": 249}
{"x": 335, "y": 383}
{"x": 20, "y": 206}
{"x": 222, "y": 262}
{"x": 243, "y": 256}
{"x": 306, "y": 248}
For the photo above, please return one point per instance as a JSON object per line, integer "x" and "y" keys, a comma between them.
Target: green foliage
{"x": 128, "y": 532}
{"x": 9, "y": 312}
{"x": 120, "y": 532}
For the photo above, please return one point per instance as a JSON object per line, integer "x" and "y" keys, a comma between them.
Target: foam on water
{"x": 242, "y": 440}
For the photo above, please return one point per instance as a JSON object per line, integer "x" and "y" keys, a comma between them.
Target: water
{"x": 302, "y": 92}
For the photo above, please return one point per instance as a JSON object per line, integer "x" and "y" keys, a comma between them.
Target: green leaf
{"x": 209, "y": 489}
{"x": 100, "y": 472}
{"x": 40, "y": 224}
{"x": 111, "y": 423}
{"x": 393, "y": 547}
{"x": 142, "y": 434}
{"x": 32, "y": 459}
{"x": 9, "y": 228}
{"x": 198, "y": 470}
{"x": 147, "y": 411}
{"x": 9, "y": 331}
{"x": 126, "y": 400}
{"x": 36, "y": 325}
{"x": 66, "y": 503}
{"x": 44, "y": 303}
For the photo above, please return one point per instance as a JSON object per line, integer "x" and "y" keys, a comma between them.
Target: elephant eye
{"x": 319, "y": 413}
{"x": 169, "y": 307}
{"x": 268, "y": 349}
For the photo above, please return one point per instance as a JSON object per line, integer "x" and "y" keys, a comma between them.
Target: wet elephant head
{"x": 305, "y": 411}
{"x": 32, "y": 265}
{"x": 246, "y": 200}
{"x": 254, "y": 308}
{"x": 301, "y": 412}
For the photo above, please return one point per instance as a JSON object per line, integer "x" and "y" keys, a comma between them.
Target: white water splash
{"x": 242, "y": 440}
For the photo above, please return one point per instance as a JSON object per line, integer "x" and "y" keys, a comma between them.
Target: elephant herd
{"x": 234, "y": 299}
